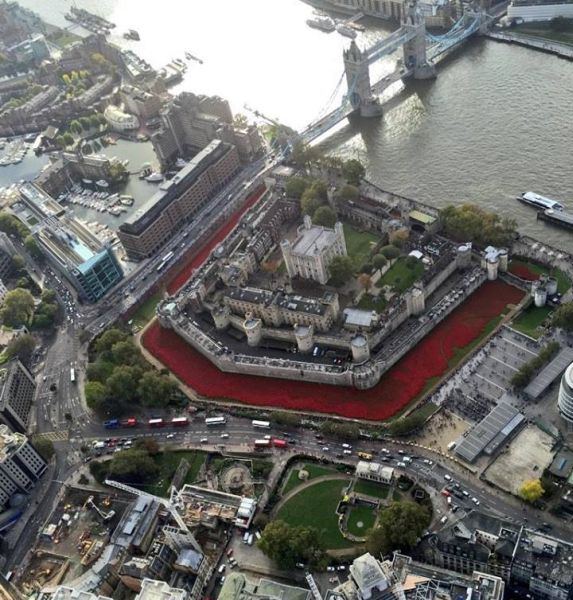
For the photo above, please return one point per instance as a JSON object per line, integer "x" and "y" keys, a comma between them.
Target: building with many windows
{"x": 71, "y": 248}
{"x": 178, "y": 200}
{"x": 565, "y": 398}
{"x": 192, "y": 122}
{"x": 17, "y": 389}
{"x": 20, "y": 465}
{"x": 310, "y": 255}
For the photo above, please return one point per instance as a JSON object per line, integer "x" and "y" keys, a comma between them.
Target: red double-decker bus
{"x": 279, "y": 443}
{"x": 180, "y": 422}
{"x": 129, "y": 422}
{"x": 156, "y": 422}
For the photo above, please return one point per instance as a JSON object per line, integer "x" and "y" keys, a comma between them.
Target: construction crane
{"x": 106, "y": 516}
{"x": 168, "y": 504}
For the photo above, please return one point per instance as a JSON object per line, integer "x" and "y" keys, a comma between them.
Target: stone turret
{"x": 253, "y": 329}
{"x": 358, "y": 82}
{"x": 304, "y": 336}
{"x": 360, "y": 349}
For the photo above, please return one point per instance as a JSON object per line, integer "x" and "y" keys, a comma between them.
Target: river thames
{"x": 493, "y": 124}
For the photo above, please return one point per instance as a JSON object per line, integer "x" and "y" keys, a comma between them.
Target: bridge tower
{"x": 415, "y": 49}
{"x": 358, "y": 82}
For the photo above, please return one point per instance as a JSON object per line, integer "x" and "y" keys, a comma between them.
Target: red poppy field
{"x": 396, "y": 389}
{"x": 523, "y": 271}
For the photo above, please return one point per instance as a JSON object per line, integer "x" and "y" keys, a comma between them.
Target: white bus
{"x": 72, "y": 375}
{"x": 215, "y": 421}
{"x": 261, "y": 424}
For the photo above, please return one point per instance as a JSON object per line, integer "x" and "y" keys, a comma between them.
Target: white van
{"x": 221, "y": 569}
{"x": 347, "y": 446}
{"x": 443, "y": 519}
{"x": 250, "y": 540}
{"x": 246, "y": 537}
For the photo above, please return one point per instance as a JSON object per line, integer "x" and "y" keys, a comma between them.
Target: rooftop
{"x": 549, "y": 373}
{"x": 159, "y": 590}
{"x": 169, "y": 190}
{"x": 502, "y": 420}
{"x": 313, "y": 240}
{"x": 418, "y": 215}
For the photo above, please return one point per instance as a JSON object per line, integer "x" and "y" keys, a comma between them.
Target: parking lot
{"x": 479, "y": 384}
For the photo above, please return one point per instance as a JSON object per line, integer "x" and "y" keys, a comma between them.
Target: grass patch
{"x": 530, "y": 320}
{"x": 367, "y": 302}
{"x": 315, "y": 506}
{"x": 402, "y": 274}
{"x": 168, "y": 463}
{"x": 360, "y": 520}
{"x": 146, "y": 311}
{"x": 543, "y": 30}
{"x": 359, "y": 244}
{"x": 371, "y": 488}
{"x": 313, "y": 471}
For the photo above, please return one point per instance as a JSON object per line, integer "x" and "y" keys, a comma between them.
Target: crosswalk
{"x": 53, "y": 436}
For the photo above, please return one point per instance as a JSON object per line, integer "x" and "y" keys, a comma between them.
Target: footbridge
{"x": 421, "y": 52}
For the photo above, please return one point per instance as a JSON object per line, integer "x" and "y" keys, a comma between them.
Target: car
{"x": 466, "y": 494}
{"x": 347, "y": 452}
{"x": 299, "y": 565}
{"x": 401, "y": 464}
{"x": 222, "y": 580}
{"x": 325, "y": 449}
{"x": 204, "y": 440}
{"x": 224, "y": 436}
{"x": 447, "y": 477}
{"x": 170, "y": 436}
{"x": 230, "y": 552}
{"x": 341, "y": 568}
{"x": 445, "y": 493}
{"x": 475, "y": 501}
{"x": 221, "y": 569}
{"x": 330, "y": 568}
{"x": 347, "y": 446}
{"x": 268, "y": 437}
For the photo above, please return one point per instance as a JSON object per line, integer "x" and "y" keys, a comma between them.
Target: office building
{"x": 3, "y": 291}
{"x": 191, "y": 122}
{"x": 7, "y": 251}
{"x": 17, "y": 389}
{"x": 20, "y": 465}
{"x": 69, "y": 246}
{"x": 159, "y": 590}
{"x": 565, "y": 398}
{"x": 142, "y": 103}
{"x": 178, "y": 200}
{"x": 313, "y": 250}
{"x": 118, "y": 120}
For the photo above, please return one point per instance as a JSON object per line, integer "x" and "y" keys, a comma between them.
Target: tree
{"x": 48, "y": 295}
{"x": 399, "y": 527}
{"x": 110, "y": 337}
{"x": 313, "y": 196}
{"x": 150, "y": 446}
{"x": 325, "y": 216}
{"x": 348, "y": 193}
{"x": 379, "y": 261}
{"x": 343, "y": 431}
{"x": 32, "y": 247}
{"x": 132, "y": 466}
{"x": 470, "y": 223}
{"x": 12, "y": 225}
{"x": 122, "y": 384}
{"x": 365, "y": 281}
{"x": 100, "y": 370}
{"x": 240, "y": 121}
{"x": 21, "y": 347}
{"x": 60, "y": 141}
{"x": 44, "y": 447}
{"x": 94, "y": 121}
{"x": 408, "y": 424}
{"x": 353, "y": 170}
{"x": 286, "y": 418}
{"x": 156, "y": 389}
{"x": 390, "y": 252}
{"x": 117, "y": 172}
{"x": 296, "y": 186}
{"x": 18, "y": 262}
{"x": 96, "y": 395}
{"x": 85, "y": 123}
{"x": 287, "y": 545}
{"x": 75, "y": 127}
{"x": 18, "y": 308}
{"x": 563, "y": 316}
{"x": 531, "y": 490}
{"x": 341, "y": 269}
{"x": 68, "y": 139}
{"x": 125, "y": 352}
{"x": 399, "y": 238}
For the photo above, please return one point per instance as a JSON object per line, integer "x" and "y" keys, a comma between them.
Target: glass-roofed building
{"x": 89, "y": 264}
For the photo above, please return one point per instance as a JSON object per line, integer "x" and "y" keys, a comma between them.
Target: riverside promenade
{"x": 544, "y": 45}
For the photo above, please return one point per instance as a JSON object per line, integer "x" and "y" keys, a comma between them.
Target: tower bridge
{"x": 421, "y": 52}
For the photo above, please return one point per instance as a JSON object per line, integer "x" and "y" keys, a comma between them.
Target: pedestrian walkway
{"x": 562, "y": 50}
{"x": 53, "y": 436}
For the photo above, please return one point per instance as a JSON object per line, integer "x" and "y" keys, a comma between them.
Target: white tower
{"x": 304, "y": 336}
{"x": 358, "y": 82}
{"x": 253, "y": 329}
{"x": 360, "y": 349}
